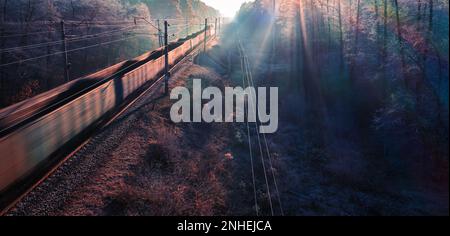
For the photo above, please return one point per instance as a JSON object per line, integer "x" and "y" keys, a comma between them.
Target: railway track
{"x": 263, "y": 144}
{"x": 21, "y": 188}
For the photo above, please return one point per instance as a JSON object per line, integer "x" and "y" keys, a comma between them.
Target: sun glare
{"x": 227, "y": 8}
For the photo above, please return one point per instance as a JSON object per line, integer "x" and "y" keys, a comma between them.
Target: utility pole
{"x": 206, "y": 28}
{"x": 220, "y": 25}
{"x": 215, "y": 28}
{"x": 64, "y": 48}
{"x": 159, "y": 34}
{"x": 166, "y": 59}
{"x": 187, "y": 27}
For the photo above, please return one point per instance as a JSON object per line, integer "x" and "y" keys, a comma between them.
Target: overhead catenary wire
{"x": 57, "y": 30}
{"x": 126, "y": 22}
{"x": 88, "y": 24}
{"x": 71, "y": 50}
{"x": 85, "y": 37}
{"x": 93, "y": 22}
{"x": 106, "y": 32}
{"x": 65, "y": 98}
{"x": 175, "y": 19}
{"x": 178, "y": 30}
{"x": 27, "y": 34}
{"x": 180, "y": 19}
{"x": 148, "y": 22}
{"x": 75, "y": 39}
{"x": 80, "y": 24}
{"x": 172, "y": 25}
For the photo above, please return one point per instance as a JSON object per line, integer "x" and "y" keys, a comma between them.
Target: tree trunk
{"x": 355, "y": 46}
{"x": 341, "y": 40}
{"x": 430, "y": 16}
{"x": 399, "y": 39}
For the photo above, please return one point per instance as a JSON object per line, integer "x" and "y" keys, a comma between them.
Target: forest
{"x": 365, "y": 103}
{"x": 363, "y": 106}
{"x": 99, "y": 33}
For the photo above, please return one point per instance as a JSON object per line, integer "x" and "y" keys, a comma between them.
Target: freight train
{"x": 34, "y": 131}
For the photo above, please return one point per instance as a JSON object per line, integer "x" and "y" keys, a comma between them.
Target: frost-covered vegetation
{"x": 365, "y": 103}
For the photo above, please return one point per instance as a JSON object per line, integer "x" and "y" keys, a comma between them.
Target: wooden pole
{"x": 206, "y": 28}
{"x": 166, "y": 59}
{"x": 215, "y": 29}
{"x": 159, "y": 34}
{"x": 65, "y": 56}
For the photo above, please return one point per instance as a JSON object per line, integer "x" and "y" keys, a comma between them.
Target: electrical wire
{"x": 57, "y": 42}
{"x": 251, "y": 81}
{"x": 81, "y": 38}
{"x": 249, "y": 141}
{"x": 67, "y": 51}
{"x": 257, "y": 132}
{"x": 27, "y": 34}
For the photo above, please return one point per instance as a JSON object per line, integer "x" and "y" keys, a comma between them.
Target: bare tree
{"x": 400, "y": 39}
{"x": 341, "y": 39}
{"x": 356, "y": 41}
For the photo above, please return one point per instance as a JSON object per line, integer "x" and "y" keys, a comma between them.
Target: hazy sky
{"x": 227, "y": 7}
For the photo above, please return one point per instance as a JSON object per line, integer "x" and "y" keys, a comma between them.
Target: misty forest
{"x": 364, "y": 100}
{"x": 363, "y": 93}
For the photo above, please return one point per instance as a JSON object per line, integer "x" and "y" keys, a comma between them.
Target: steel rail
{"x": 106, "y": 123}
